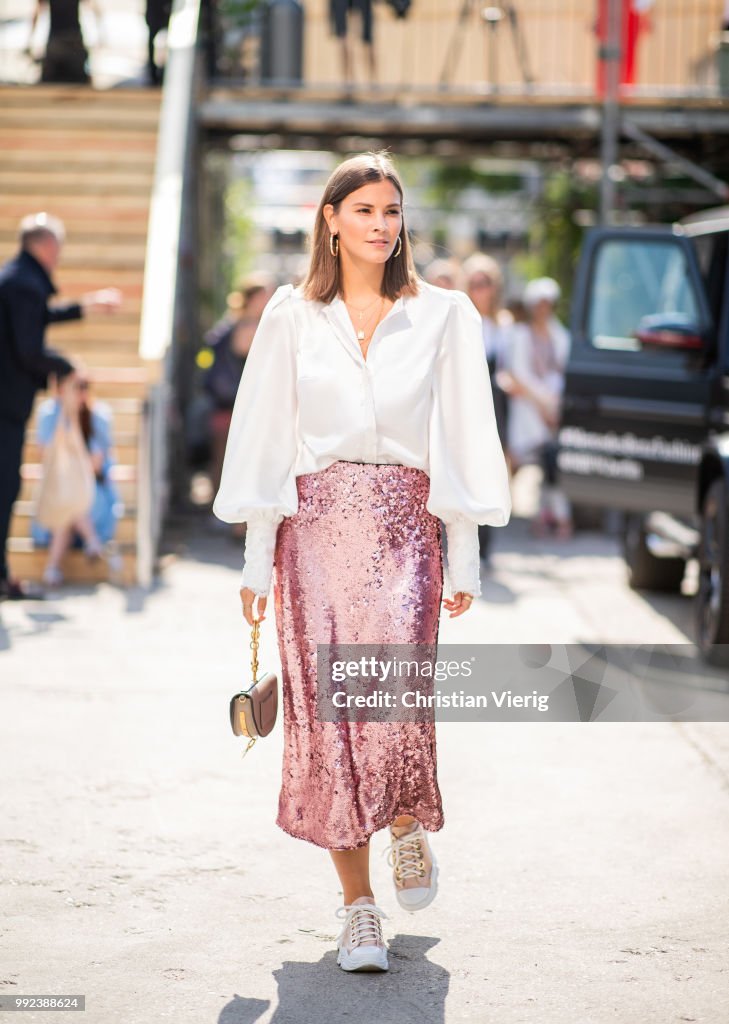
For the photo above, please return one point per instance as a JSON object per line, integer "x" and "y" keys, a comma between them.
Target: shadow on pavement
{"x": 414, "y": 988}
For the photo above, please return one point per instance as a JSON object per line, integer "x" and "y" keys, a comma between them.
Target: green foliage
{"x": 449, "y": 180}
{"x": 238, "y": 10}
{"x": 239, "y": 232}
{"x": 555, "y": 237}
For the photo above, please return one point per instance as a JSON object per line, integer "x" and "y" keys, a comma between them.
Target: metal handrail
{"x": 161, "y": 295}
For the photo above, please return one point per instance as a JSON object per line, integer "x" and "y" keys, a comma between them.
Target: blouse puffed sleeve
{"x": 469, "y": 482}
{"x": 258, "y": 483}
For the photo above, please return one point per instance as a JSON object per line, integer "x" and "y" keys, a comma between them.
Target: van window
{"x": 637, "y": 282}
{"x": 711, "y": 251}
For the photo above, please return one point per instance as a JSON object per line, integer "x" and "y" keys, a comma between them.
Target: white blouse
{"x": 421, "y": 398}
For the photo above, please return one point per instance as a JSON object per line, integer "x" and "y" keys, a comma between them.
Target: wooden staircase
{"x": 88, "y": 157}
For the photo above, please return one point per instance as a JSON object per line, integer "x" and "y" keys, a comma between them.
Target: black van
{"x": 645, "y": 421}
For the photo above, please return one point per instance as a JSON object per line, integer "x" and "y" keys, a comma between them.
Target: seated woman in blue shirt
{"x": 93, "y": 530}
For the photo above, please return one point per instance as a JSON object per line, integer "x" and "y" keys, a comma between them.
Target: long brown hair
{"x": 323, "y": 281}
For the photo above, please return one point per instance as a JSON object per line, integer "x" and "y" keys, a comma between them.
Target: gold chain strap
{"x": 254, "y": 669}
{"x": 254, "y": 648}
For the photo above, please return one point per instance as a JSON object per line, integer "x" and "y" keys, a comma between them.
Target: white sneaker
{"x": 360, "y": 944}
{"x": 52, "y": 576}
{"x": 410, "y": 857}
{"x": 94, "y": 550}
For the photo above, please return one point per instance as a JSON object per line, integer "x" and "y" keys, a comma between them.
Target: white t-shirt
{"x": 422, "y": 398}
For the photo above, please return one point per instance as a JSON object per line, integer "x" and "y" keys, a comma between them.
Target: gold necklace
{"x": 361, "y": 332}
{"x": 361, "y": 313}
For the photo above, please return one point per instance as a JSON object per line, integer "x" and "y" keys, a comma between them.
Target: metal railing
{"x": 114, "y": 34}
{"x": 528, "y": 48}
{"x": 164, "y": 291}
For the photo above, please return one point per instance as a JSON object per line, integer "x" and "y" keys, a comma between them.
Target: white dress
{"x": 526, "y": 429}
{"x": 421, "y": 398}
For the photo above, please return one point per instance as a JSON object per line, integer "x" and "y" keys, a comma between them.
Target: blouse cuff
{"x": 464, "y": 557}
{"x": 259, "y": 553}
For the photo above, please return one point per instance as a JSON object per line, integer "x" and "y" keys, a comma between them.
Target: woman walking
{"x": 364, "y": 416}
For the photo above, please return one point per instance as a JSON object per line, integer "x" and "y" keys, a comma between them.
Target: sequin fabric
{"x": 360, "y": 562}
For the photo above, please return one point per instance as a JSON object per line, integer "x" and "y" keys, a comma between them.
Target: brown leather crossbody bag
{"x": 253, "y": 711}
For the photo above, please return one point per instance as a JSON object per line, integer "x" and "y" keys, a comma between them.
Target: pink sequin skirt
{"x": 360, "y": 562}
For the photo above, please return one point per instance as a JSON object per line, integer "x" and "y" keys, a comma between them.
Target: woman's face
{"x": 482, "y": 292}
{"x": 72, "y": 390}
{"x": 368, "y": 222}
{"x": 541, "y": 311}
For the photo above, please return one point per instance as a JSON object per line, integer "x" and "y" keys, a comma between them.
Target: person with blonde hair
{"x": 484, "y": 282}
{"x": 364, "y": 418}
{"x": 444, "y": 273}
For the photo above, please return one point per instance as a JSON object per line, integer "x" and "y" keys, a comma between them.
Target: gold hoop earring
{"x": 332, "y": 250}
{"x": 399, "y": 239}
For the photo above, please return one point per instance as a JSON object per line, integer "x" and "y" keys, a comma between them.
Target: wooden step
{"x": 74, "y": 281}
{"x": 30, "y": 475}
{"x": 124, "y": 476}
{"x": 25, "y": 508}
{"x": 95, "y": 351}
{"x": 57, "y": 176}
{"x": 127, "y": 255}
{"x": 73, "y": 116}
{"x": 23, "y": 139}
{"x": 84, "y": 160}
{"x": 122, "y": 324}
{"x": 123, "y": 452}
{"x": 91, "y": 358}
{"x": 28, "y": 562}
{"x": 52, "y": 94}
{"x": 92, "y": 331}
{"x": 126, "y": 527}
{"x": 92, "y": 355}
{"x": 121, "y": 437}
{"x": 107, "y": 389}
{"x": 91, "y": 230}
{"x": 126, "y": 411}
{"x": 72, "y": 207}
{"x": 122, "y": 381}
{"x": 65, "y": 182}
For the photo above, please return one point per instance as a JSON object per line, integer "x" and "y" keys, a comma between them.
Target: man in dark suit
{"x": 25, "y": 363}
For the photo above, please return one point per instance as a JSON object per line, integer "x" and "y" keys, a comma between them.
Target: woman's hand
{"x": 458, "y": 604}
{"x": 248, "y": 596}
{"x": 548, "y": 406}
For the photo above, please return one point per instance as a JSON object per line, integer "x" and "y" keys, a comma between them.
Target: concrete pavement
{"x": 584, "y": 874}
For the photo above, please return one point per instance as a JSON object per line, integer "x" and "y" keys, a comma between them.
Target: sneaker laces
{"x": 364, "y": 920}
{"x": 405, "y": 855}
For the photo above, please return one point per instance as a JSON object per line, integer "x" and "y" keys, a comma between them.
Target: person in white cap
{"x": 535, "y": 381}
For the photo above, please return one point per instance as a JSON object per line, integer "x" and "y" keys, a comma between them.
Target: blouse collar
{"x": 399, "y": 303}
{"x": 337, "y": 314}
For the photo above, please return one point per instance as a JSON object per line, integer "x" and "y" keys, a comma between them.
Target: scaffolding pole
{"x": 610, "y": 52}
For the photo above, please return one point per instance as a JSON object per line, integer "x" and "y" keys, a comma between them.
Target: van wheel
{"x": 645, "y": 571}
{"x": 712, "y": 598}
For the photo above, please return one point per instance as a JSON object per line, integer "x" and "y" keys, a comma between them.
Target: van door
{"x": 640, "y": 375}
